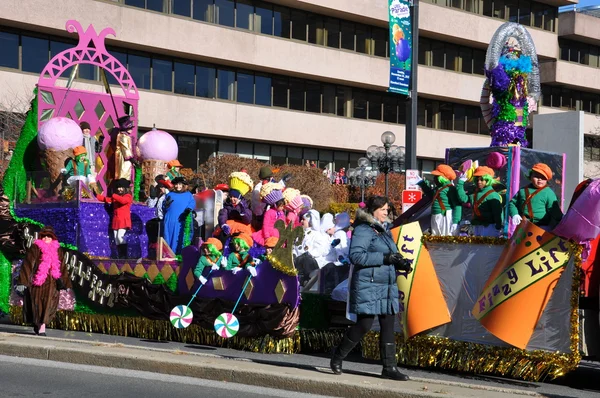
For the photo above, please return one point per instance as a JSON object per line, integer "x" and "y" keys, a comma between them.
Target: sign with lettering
{"x": 400, "y": 46}
{"x": 422, "y": 304}
{"x": 521, "y": 284}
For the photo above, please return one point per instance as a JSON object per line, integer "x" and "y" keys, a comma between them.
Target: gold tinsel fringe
{"x": 477, "y": 240}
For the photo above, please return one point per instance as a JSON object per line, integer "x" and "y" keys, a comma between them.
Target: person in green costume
{"x": 240, "y": 258}
{"x": 211, "y": 255}
{"x": 537, "y": 202}
{"x": 446, "y": 208}
{"x": 78, "y": 168}
{"x": 486, "y": 203}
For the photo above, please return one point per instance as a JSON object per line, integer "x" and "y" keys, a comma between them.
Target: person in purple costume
{"x": 177, "y": 207}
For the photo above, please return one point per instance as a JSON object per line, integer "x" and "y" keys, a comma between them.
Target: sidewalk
{"x": 214, "y": 367}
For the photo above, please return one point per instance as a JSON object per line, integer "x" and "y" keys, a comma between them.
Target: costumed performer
{"x": 178, "y": 205}
{"x": 446, "y": 208}
{"x": 211, "y": 253}
{"x": 293, "y": 206}
{"x": 486, "y": 202}
{"x": 174, "y": 172}
{"x": 121, "y": 218}
{"x": 342, "y": 223}
{"x": 124, "y": 159}
{"x": 331, "y": 276}
{"x": 91, "y": 144}
{"x": 265, "y": 175}
{"x": 373, "y": 289}
{"x": 536, "y": 202}
{"x": 240, "y": 257}
{"x": 271, "y": 194}
{"x": 78, "y": 168}
{"x": 43, "y": 274}
{"x": 314, "y": 245}
{"x": 235, "y": 216}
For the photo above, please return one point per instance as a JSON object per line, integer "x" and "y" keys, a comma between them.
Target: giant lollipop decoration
{"x": 227, "y": 324}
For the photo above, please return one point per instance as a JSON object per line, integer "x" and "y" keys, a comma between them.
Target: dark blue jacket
{"x": 240, "y": 213}
{"x": 373, "y": 288}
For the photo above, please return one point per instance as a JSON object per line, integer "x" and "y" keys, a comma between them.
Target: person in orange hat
{"x": 78, "y": 168}
{"x": 537, "y": 202}
{"x": 487, "y": 217}
{"x": 240, "y": 258}
{"x": 211, "y": 257}
{"x": 446, "y": 208}
{"x": 174, "y": 167}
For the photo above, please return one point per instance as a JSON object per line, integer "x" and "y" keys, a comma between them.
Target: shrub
{"x": 349, "y": 208}
{"x": 396, "y": 183}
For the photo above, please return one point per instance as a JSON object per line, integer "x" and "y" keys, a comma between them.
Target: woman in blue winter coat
{"x": 373, "y": 290}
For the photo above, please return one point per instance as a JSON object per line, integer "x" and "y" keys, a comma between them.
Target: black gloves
{"x": 99, "y": 143}
{"x": 167, "y": 203}
{"x": 398, "y": 261}
{"x": 60, "y": 284}
{"x": 184, "y": 215}
{"x": 335, "y": 242}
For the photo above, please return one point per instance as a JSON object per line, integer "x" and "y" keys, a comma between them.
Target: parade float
{"x": 474, "y": 304}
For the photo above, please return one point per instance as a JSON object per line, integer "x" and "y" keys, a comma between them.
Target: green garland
{"x": 187, "y": 231}
{"x": 5, "y": 283}
{"x": 136, "y": 184}
{"x": 16, "y": 173}
{"x": 24, "y": 219}
{"x": 172, "y": 283}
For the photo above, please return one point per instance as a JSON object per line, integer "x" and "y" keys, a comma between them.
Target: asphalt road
{"x": 24, "y": 377}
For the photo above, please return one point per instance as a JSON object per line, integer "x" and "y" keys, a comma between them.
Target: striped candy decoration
{"x": 226, "y": 325}
{"x": 181, "y": 316}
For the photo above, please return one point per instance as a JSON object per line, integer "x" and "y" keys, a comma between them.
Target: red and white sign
{"x": 409, "y": 198}
{"x": 412, "y": 178}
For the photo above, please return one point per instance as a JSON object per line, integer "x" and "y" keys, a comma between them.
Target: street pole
{"x": 411, "y": 104}
{"x": 387, "y": 160}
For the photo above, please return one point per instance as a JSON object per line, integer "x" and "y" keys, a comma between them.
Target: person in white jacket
{"x": 314, "y": 246}
{"x": 342, "y": 223}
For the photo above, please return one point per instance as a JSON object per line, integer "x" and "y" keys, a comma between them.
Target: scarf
{"x": 50, "y": 262}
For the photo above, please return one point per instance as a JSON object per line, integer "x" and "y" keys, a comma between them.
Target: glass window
{"x": 488, "y": 9}
{"x": 34, "y": 54}
{"x": 564, "y": 50}
{"x": 136, "y": 3}
{"x": 226, "y": 84}
{"x": 437, "y": 54}
{"x": 155, "y": 5}
{"x": 280, "y": 92}
{"x": 224, "y": 12}
{"x": 263, "y": 18}
{"x": 162, "y": 75}
{"x": 549, "y": 15}
{"x": 206, "y": 79}
{"x": 512, "y": 10}
{"x": 359, "y": 102}
{"x": 332, "y": 26}
{"x": 537, "y": 9}
{"x": 139, "y": 68}
{"x": 375, "y": 104}
{"x": 244, "y": 15}
{"x": 459, "y": 117}
{"x": 594, "y": 56}
{"x": 329, "y": 99}
{"x": 380, "y": 37}
{"x": 341, "y": 159}
{"x": 479, "y": 62}
{"x": 347, "y": 41}
{"x": 424, "y": 50}
{"x": 245, "y": 149}
{"x": 181, "y": 7}
{"x": 262, "y": 90}
{"x": 297, "y": 94}
{"x": 390, "y": 109}
{"x": 452, "y": 60}
{"x": 402, "y": 111}
{"x": 421, "y": 112}
{"x": 87, "y": 71}
{"x": 344, "y": 98}
{"x": 446, "y": 116}
{"x": 473, "y": 117}
{"x": 499, "y": 9}
{"x": 466, "y": 59}
{"x": 9, "y": 56}
{"x": 122, "y": 58}
{"x": 313, "y": 97}
{"x": 525, "y": 12}
{"x": 472, "y": 5}
{"x": 278, "y": 154}
{"x": 207, "y": 147}
{"x": 546, "y": 96}
{"x": 299, "y": 22}
{"x": 188, "y": 151}
{"x": 56, "y": 47}
{"x": 574, "y": 52}
{"x": 226, "y": 146}
{"x": 262, "y": 151}
{"x": 245, "y": 88}
{"x": 204, "y": 10}
{"x": 184, "y": 78}
{"x": 316, "y": 30}
{"x": 363, "y": 39}
{"x": 294, "y": 155}
{"x": 311, "y": 154}
{"x": 281, "y": 22}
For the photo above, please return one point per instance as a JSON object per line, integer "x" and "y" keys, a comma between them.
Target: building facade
{"x": 287, "y": 81}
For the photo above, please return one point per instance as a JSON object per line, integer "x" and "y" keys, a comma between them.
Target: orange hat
{"x": 246, "y": 238}
{"x": 222, "y": 187}
{"x": 213, "y": 241}
{"x": 445, "y": 171}
{"x": 174, "y": 163}
{"x": 271, "y": 242}
{"x": 543, "y": 169}
{"x": 80, "y": 150}
{"x": 483, "y": 170}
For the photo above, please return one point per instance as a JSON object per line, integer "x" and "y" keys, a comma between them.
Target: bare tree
{"x": 592, "y": 167}
{"x": 13, "y": 107}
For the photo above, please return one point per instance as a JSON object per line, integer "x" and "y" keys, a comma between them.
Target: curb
{"x": 214, "y": 367}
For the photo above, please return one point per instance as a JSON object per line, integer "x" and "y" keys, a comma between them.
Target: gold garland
{"x": 441, "y": 352}
{"x": 476, "y": 240}
{"x": 280, "y": 266}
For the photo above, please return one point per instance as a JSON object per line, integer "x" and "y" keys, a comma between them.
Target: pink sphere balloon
{"x": 59, "y": 134}
{"x": 157, "y": 145}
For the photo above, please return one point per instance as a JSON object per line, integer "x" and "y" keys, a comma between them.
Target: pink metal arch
{"x": 100, "y": 110}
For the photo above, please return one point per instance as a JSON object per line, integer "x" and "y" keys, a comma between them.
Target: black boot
{"x": 122, "y": 250}
{"x": 340, "y": 353}
{"x": 388, "y": 357}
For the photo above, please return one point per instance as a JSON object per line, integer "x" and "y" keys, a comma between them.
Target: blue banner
{"x": 400, "y": 46}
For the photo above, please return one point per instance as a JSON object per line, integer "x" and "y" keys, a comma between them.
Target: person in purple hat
{"x": 271, "y": 194}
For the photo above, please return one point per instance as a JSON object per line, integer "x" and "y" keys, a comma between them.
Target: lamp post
{"x": 362, "y": 176}
{"x": 388, "y": 158}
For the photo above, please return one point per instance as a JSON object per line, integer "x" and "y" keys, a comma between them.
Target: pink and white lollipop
{"x": 181, "y": 316}
{"x": 227, "y": 325}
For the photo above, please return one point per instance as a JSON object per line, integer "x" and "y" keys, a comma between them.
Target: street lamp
{"x": 388, "y": 158}
{"x": 362, "y": 176}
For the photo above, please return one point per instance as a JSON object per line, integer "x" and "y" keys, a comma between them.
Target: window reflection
{"x": 226, "y": 84}
{"x": 9, "y": 56}
{"x": 162, "y": 74}
{"x": 262, "y": 90}
{"x": 139, "y": 68}
{"x": 184, "y": 78}
{"x": 181, "y": 7}
{"x": 35, "y": 54}
{"x": 205, "y": 81}
{"x": 245, "y": 88}
{"x": 224, "y": 11}
{"x": 204, "y": 10}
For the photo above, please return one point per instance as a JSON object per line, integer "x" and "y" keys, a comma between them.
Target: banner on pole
{"x": 400, "y": 46}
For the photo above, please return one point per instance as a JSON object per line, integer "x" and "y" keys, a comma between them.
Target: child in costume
{"x": 270, "y": 194}
{"x": 293, "y": 206}
{"x": 340, "y": 238}
{"x": 537, "y": 202}
{"x": 235, "y": 216}
{"x": 240, "y": 258}
{"x": 178, "y": 205}
{"x": 79, "y": 168}
{"x": 211, "y": 254}
{"x": 121, "y": 202}
{"x": 174, "y": 167}
{"x": 446, "y": 208}
{"x": 485, "y": 201}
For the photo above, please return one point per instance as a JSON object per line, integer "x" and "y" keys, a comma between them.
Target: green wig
{"x": 489, "y": 180}
{"x": 241, "y": 243}
{"x": 213, "y": 252}
{"x": 442, "y": 180}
